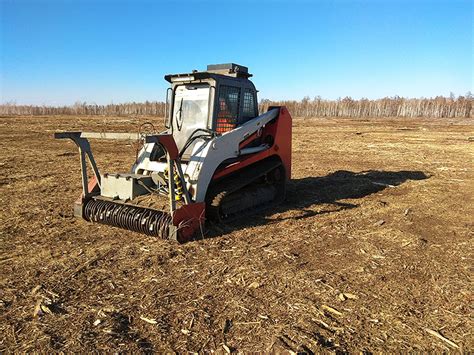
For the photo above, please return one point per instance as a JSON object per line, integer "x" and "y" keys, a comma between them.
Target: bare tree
{"x": 438, "y": 107}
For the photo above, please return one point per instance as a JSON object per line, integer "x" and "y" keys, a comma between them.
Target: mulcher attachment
{"x": 180, "y": 223}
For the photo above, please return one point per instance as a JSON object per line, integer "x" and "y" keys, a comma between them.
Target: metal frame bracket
{"x": 84, "y": 150}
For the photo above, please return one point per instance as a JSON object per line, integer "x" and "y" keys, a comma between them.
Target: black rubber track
{"x": 246, "y": 192}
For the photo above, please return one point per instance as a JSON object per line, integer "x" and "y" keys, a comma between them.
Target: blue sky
{"x": 62, "y": 51}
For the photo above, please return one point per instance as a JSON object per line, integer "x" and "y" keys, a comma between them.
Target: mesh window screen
{"x": 249, "y": 105}
{"x": 228, "y": 114}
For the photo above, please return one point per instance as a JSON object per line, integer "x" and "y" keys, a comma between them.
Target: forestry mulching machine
{"x": 218, "y": 159}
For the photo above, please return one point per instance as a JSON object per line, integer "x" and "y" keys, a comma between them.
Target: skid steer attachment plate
{"x": 125, "y": 186}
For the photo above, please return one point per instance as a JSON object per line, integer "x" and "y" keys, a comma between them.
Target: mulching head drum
{"x": 143, "y": 220}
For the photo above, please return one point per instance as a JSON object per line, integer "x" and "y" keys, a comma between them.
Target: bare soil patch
{"x": 372, "y": 251}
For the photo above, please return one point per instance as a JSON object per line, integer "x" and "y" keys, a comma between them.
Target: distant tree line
{"x": 146, "y": 108}
{"x": 438, "y": 107}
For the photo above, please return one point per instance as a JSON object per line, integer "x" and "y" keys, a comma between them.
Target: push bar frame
{"x": 165, "y": 140}
{"x": 80, "y": 139}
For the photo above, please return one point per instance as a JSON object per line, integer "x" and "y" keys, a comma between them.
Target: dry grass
{"x": 374, "y": 261}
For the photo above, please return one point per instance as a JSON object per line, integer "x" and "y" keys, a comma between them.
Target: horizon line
{"x": 467, "y": 95}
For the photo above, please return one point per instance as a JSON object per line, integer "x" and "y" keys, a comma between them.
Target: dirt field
{"x": 372, "y": 251}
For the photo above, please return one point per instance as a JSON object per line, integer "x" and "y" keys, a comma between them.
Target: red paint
{"x": 280, "y": 130}
{"x": 92, "y": 187}
{"x": 250, "y": 139}
{"x": 167, "y": 141}
{"x": 191, "y": 217}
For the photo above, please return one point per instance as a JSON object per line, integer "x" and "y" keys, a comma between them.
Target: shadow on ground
{"x": 331, "y": 189}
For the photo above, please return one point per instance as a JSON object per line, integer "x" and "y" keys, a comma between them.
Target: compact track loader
{"x": 218, "y": 159}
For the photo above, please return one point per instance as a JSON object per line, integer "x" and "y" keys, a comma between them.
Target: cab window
{"x": 249, "y": 105}
{"x": 228, "y": 108}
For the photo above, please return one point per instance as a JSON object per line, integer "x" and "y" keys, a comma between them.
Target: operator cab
{"x": 201, "y": 105}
